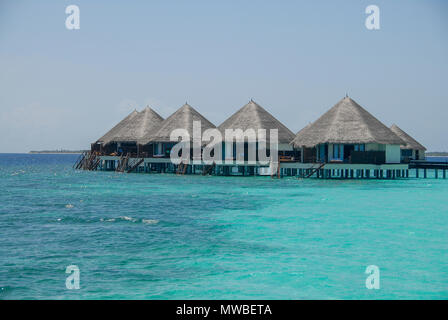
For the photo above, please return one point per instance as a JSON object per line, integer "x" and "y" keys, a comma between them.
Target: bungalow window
{"x": 406, "y": 152}
{"x": 158, "y": 149}
{"x": 338, "y": 151}
{"x": 323, "y": 151}
{"x": 360, "y": 147}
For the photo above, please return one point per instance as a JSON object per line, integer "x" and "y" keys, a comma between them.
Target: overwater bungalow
{"x": 161, "y": 141}
{"x": 251, "y": 118}
{"x": 411, "y": 149}
{"x": 345, "y": 142}
{"x": 348, "y": 137}
{"x": 347, "y": 133}
{"x": 183, "y": 118}
{"x": 127, "y": 135}
{"x": 110, "y": 137}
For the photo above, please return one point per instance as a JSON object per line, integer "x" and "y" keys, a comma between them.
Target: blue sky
{"x": 64, "y": 88}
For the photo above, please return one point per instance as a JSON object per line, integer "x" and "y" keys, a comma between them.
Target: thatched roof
{"x": 346, "y": 122}
{"x": 181, "y": 119}
{"x": 109, "y": 136}
{"x": 304, "y": 129}
{"x": 134, "y": 127}
{"x": 253, "y": 116}
{"x": 147, "y": 122}
{"x": 410, "y": 143}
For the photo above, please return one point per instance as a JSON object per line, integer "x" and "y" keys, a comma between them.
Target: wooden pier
{"x": 425, "y": 167}
{"x": 135, "y": 163}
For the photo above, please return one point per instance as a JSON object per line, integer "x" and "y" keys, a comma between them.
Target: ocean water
{"x": 144, "y": 236}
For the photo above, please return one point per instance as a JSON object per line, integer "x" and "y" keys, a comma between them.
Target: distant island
{"x": 437, "y": 154}
{"x": 59, "y": 151}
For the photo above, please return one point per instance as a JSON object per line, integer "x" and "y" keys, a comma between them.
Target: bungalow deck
{"x": 286, "y": 169}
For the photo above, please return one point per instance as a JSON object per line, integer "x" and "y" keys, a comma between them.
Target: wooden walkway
{"x": 428, "y": 166}
{"x": 125, "y": 163}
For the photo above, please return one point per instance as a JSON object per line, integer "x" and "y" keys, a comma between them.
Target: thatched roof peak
{"x": 134, "y": 127}
{"x": 112, "y": 133}
{"x": 253, "y": 116}
{"x": 181, "y": 119}
{"x": 147, "y": 122}
{"x": 410, "y": 143}
{"x": 346, "y": 122}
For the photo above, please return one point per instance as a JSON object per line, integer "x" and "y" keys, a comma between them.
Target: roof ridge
{"x": 335, "y": 118}
{"x": 346, "y": 122}
{"x": 253, "y": 115}
{"x": 257, "y": 111}
{"x": 358, "y": 108}
{"x": 181, "y": 118}
{"x": 118, "y": 126}
{"x": 409, "y": 141}
{"x": 145, "y": 121}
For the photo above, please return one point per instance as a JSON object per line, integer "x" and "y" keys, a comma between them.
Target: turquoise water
{"x": 142, "y": 236}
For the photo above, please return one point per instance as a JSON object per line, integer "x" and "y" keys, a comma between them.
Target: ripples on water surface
{"x": 143, "y": 236}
